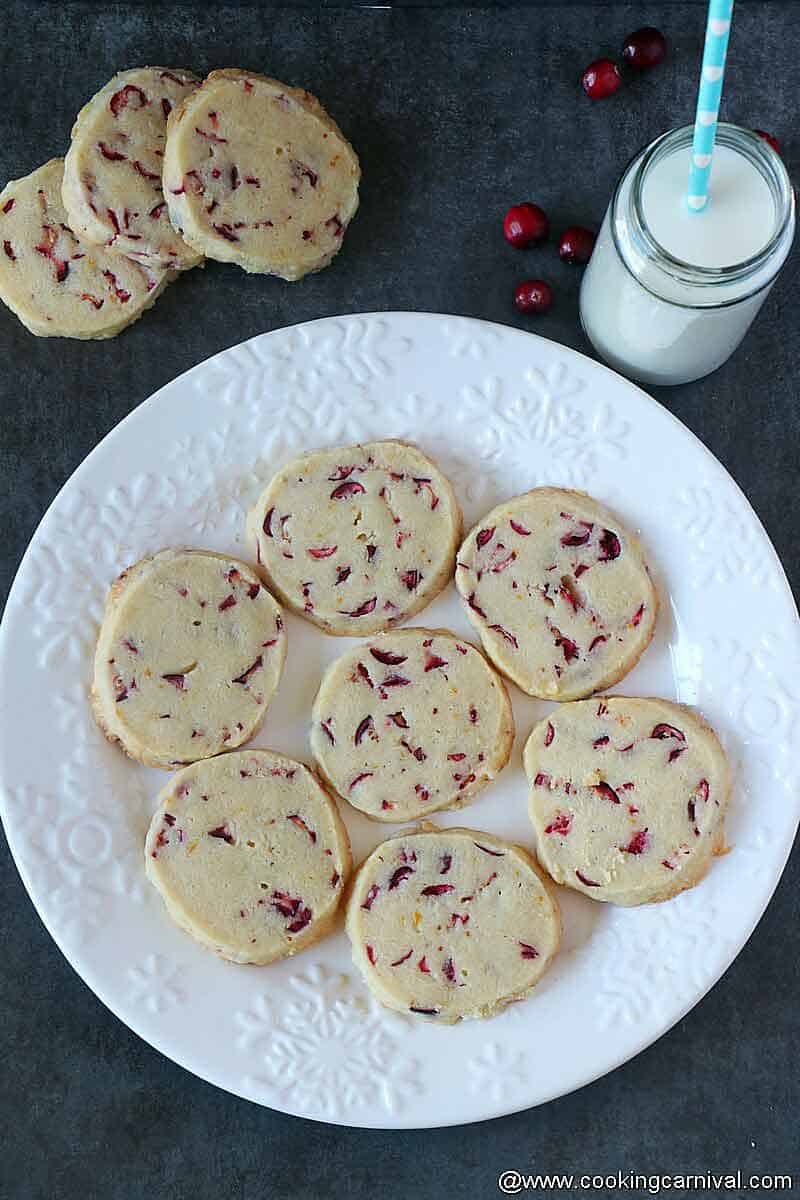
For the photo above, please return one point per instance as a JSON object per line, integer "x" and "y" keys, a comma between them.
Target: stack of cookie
{"x": 163, "y": 171}
{"x": 247, "y": 848}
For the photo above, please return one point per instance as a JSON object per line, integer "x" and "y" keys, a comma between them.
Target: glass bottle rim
{"x": 771, "y": 167}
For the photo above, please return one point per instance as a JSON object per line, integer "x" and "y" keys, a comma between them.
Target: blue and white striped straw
{"x": 708, "y": 97}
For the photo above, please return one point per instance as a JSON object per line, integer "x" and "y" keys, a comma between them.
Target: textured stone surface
{"x": 456, "y": 113}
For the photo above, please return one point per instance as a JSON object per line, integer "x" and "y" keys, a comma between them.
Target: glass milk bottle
{"x": 668, "y": 294}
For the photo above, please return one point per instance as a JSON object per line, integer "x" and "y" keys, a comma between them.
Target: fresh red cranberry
{"x": 525, "y": 224}
{"x": 533, "y": 296}
{"x": 645, "y": 48}
{"x": 601, "y": 78}
{"x": 772, "y": 141}
{"x": 576, "y": 244}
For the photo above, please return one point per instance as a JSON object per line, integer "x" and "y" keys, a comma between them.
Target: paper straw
{"x": 708, "y": 97}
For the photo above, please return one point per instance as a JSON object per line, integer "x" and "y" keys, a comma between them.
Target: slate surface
{"x": 456, "y": 113}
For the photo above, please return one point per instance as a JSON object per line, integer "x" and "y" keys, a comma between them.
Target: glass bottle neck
{"x": 684, "y": 283}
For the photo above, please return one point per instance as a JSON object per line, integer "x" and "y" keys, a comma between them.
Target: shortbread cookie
{"x": 256, "y": 173}
{"x": 411, "y": 722}
{"x": 112, "y": 173}
{"x": 56, "y": 284}
{"x": 628, "y": 797}
{"x": 249, "y": 854}
{"x": 357, "y": 538}
{"x": 559, "y": 591}
{"x": 190, "y": 652}
{"x": 451, "y": 923}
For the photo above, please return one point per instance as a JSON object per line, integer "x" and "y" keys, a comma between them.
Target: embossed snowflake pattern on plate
{"x": 324, "y": 1041}
{"x": 502, "y": 411}
{"x": 155, "y": 983}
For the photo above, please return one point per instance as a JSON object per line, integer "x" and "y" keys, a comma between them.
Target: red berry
{"x": 576, "y": 244}
{"x": 525, "y": 224}
{"x": 601, "y": 78}
{"x": 772, "y": 141}
{"x": 645, "y": 48}
{"x": 533, "y": 296}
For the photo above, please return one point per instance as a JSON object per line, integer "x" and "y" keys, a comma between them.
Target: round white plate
{"x": 503, "y": 411}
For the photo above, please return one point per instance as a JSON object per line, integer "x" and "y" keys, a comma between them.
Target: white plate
{"x": 502, "y": 411}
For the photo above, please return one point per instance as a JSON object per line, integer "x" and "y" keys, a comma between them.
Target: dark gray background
{"x": 456, "y": 114}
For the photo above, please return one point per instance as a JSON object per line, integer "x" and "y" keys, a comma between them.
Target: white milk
{"x": 668, "y": 294}
{"x": 738, "y": 221}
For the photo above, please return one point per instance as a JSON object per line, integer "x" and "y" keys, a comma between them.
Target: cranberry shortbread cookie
{"x": 411, "y": 722}
{"x": 451, "y": 923}
{"x": 58, "y": 285}
{"x": 628, "y": 797}
{"x": 112, "y": 186}
{"x": 256, "y": 173}
{"x": 249, "y": 854}
{"x": 560, "y": 592}
{"x": 190, "y": 652}
{"x": 357, "y": 538}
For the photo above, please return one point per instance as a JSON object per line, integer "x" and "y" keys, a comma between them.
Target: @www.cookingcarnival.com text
{"x": 516, "y": 1183}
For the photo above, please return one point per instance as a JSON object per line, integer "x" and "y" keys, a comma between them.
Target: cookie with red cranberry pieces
{"x": 451, "y": 923}
{"x": 57, "y": 284}
{"x": 250, "y": 855}
{"x": 357, "y": 538}
{"x": 256, "y": 173}
{"x": 559, "y": 591}
{"x": 411, "y": 722}
{"x": 627, "y": 797}
{"x": 189, "y": 654}
{"x": 112, "y": 186}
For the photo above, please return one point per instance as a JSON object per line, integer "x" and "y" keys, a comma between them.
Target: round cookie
{"x": 628, "y": 797}
{"x": 559, "y": 590}
{"x": 357, "y": 538}
{"x": 411, "y": 722}
{"x": 451, "y": 923}
{"x": 112, "y": 173}
{"x": 189, "y": 654}
{"x": 249, "y": 854}
{"x": 256, "y": 173}
{"x": 56, "y": 284}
